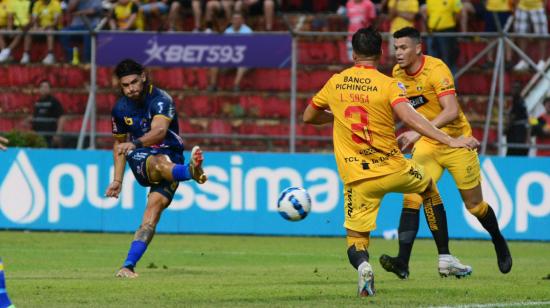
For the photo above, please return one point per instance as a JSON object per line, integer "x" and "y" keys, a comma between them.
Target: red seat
{"x": 167, "y": 78}
{"x": 73, "y": 102}
{"x": 12, "y": 123}
{"x": 72, "y": 124}
{"x": 17, "y": 102}
{"x": 105, "y": 102}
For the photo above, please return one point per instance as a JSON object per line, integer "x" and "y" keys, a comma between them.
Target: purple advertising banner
{"x": 175, "y": 49}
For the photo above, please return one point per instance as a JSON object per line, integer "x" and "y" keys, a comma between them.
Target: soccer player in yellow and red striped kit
{"x": 431, "y": 91}
{"x": 361, "y": 102}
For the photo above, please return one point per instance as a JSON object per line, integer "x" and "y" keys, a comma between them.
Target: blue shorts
{"x": 137, "y": 159}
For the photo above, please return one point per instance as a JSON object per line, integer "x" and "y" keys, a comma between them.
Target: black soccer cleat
{"x": 395, "y": 265}
{"x": 504, "y": 257}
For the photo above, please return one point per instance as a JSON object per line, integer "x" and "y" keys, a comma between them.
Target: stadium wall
{"x": 64, "y": 189}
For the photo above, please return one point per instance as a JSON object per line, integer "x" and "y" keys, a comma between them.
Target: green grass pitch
{"x": 77, "y": 270}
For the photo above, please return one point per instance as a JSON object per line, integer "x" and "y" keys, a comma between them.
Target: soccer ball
{"x": 294, "y": 203}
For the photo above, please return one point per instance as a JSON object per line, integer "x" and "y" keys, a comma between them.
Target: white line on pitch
{"x": 515, "y": 304}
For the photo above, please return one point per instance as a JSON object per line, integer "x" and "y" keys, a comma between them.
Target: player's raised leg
{"x": 160, "y": 167}
{"x": 4, "y": 299}
{"x": 473, "y": 200}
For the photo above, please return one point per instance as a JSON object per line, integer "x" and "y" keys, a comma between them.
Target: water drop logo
{"x": 22, "y": 197}
{"x": 494, "y": 193}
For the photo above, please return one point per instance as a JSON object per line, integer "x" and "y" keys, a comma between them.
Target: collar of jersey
{"x": 370, "y": 67}
{"x": 419, "y": 69}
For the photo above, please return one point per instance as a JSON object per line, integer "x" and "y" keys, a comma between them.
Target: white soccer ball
{"x": 294, "y": 203}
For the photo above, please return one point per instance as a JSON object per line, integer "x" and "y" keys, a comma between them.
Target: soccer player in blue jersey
{"x": 145, "y": 128}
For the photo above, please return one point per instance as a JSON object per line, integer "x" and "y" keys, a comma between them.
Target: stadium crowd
{"x": 209, "y": 16}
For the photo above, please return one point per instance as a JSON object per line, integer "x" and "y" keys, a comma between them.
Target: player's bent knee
{"x": 412, "y": 201}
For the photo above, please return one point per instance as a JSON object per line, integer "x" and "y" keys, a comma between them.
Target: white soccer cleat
{"x": 25, "y": 58}
{"x": 195, "y": 166}
{"x": 365, "y": 284}
{"x": 451, "y": 266}
{"x": 5, "y": 55}
{"x": 49, "y": 59}
{"x": 521, "y": 66}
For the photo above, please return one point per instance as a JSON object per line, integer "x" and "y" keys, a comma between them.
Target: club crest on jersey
{"x": 128, "y": 121}
{"x": 402, "y": 87}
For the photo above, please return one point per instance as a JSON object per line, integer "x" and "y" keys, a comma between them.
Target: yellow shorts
{"x": 463, "y": 164}
{"x": 362, "y": 198}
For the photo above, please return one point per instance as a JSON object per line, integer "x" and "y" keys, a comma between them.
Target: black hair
{"x": 128, "y": 67}
{"x": 409, "y": 32}
{"x": 367, "y": 42}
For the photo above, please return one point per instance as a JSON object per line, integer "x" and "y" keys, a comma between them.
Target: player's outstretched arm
{"x": 120, "y": 162}
{"x": 3, "y": 142}
{"x": 316, "y": 116}
{"x": 420, "y": 124}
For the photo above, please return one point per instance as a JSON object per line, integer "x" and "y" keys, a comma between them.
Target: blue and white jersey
{"x": 135, "y": 118}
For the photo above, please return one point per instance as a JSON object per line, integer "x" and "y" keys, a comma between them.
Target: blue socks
{"x": 181, "y": 173}
{"x": 4, "y": 299}
{"x": 137, "y": 249}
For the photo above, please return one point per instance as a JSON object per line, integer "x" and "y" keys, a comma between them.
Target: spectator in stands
{"x": 518, "y": 123}
{"x": 442, "y": 16}
{"x": 237, "y": 27}
{"x": 497, "y": 11}
{"x": 47, "y": 119}
{"x": 3, "y": 22}
{"x": 175, "y": 6}
{"x": 402, "y": 13}
{"x": 361, "y": 14}
{"x": 541, "y": 129}
{"x": 154, "y": 9}
{"x": 531, "y": 13}
{"x": 46, "y": 15}
{"x": 126, "y": 16}
{"x": 18, "y": 18}
{"x": 85, "y": 16}
{"x": 257, "y": 7}
{"x": 215, "y": 8}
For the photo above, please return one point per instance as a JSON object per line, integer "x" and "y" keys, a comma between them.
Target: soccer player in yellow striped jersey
{"x": 430, "y": 88}
{"x": 361, "y": 102}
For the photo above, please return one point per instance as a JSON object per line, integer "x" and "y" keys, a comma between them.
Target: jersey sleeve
{"x": 321, "y": 99}
{"x": 397, "y": 93}
{"x": 442, "y": 81}
{"x": 117, "y": 123}
{"x": 164, "y": 108}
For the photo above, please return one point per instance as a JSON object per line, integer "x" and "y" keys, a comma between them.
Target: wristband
{"x": 118, "y": 181}
{"x": 138, "y": 143}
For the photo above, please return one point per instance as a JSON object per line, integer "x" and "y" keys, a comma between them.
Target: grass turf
{"x": 77, "y": 270}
